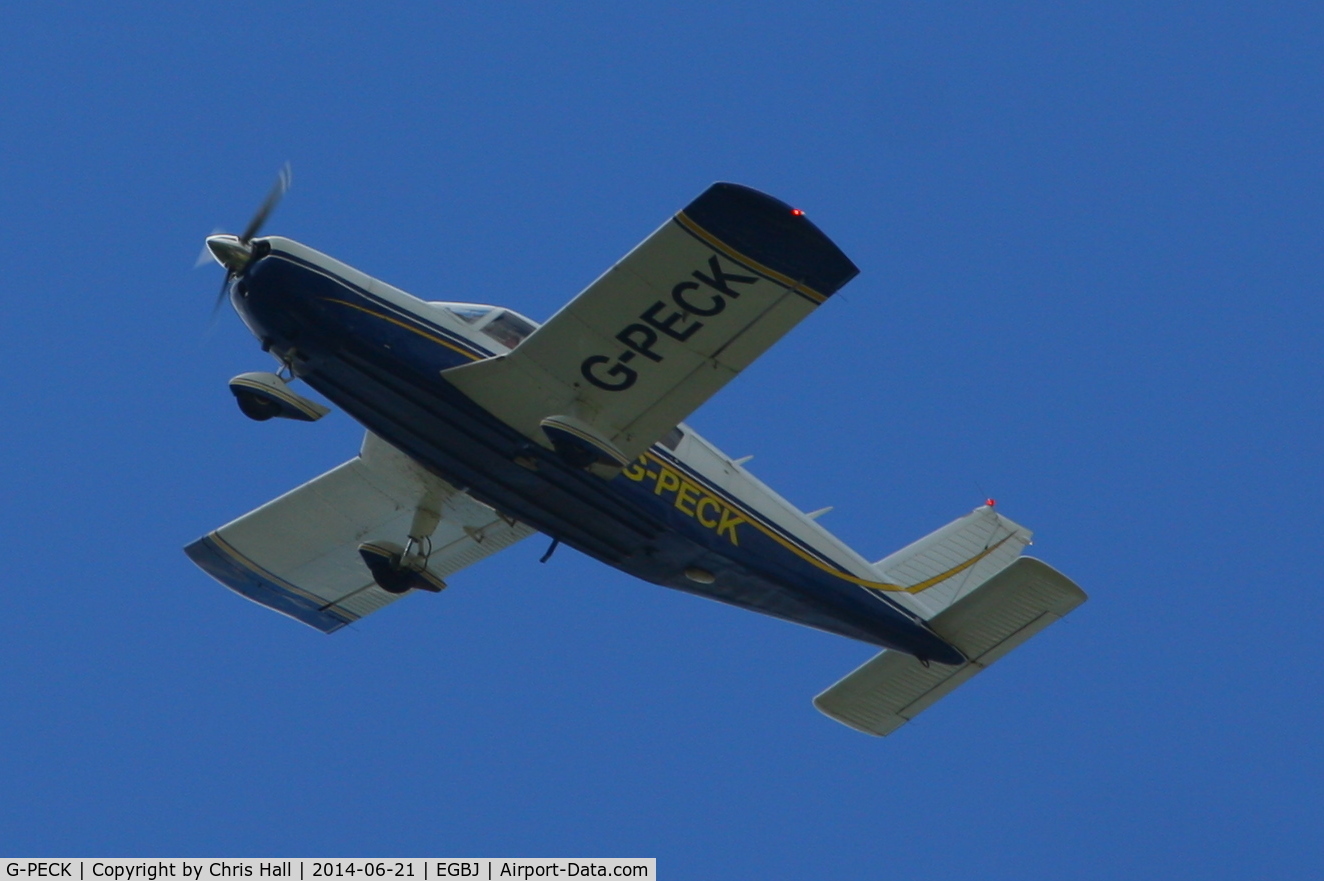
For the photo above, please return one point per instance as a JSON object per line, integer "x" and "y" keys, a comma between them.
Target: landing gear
{"x": 399, "y": 570}
{"x": 402, "y": 569}
{"x": 263, "y": 396}
{"x": 583, "y": 446}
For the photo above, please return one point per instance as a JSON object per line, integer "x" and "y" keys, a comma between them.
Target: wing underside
{"x": 666, "y": 327}
{"x": 299, "y": 553}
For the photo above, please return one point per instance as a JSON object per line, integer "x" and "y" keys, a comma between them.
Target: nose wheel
{"x": 262, "y": 396}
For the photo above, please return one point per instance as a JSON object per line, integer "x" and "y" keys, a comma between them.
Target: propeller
{"x": 234, "y": 252}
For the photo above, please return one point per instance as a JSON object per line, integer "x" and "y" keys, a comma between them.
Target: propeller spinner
{"x": 234, "y": 252}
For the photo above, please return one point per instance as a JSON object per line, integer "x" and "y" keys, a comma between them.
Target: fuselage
{"x": 683, "y": 515}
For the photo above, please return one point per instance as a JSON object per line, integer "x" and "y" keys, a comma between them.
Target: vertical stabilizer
{"x": 946, "y": 565}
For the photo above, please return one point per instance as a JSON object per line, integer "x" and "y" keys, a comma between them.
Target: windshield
{"x": 466, "y": 311}
{"x": 508, "y": 329}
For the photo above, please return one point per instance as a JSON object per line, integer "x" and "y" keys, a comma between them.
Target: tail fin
{"x": 985, "y": 624}
{"x": 946, "y": 565}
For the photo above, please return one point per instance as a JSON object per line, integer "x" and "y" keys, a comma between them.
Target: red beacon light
{"x": 796, "y": 212}
{"x": 990, "y": 502}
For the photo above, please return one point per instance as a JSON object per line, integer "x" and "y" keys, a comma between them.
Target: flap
{"x": 668, "y": 325}
{"x": 299, "y": 553}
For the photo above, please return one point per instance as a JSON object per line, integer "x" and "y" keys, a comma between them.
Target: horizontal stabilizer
{"x": 893, "y": 688}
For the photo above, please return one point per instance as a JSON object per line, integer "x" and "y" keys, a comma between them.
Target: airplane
{"x": 484, "y": 427}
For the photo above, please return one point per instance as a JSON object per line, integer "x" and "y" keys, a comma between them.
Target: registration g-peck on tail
{"x": 484, "y": 427}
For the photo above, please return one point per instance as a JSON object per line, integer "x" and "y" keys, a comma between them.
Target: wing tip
{"x": 213, "y": 556}
{"x": 772, "y": 232}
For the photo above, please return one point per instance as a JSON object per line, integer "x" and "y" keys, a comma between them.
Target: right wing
{"x": 666, "y": 327}
{"x": 299, "y": 553}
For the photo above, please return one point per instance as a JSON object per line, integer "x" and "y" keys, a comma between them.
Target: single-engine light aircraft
{"x": 484, "y": 427}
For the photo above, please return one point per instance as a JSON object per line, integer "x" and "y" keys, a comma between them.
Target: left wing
{"x": 665, "y": 328}
{"x": 299, "y": 553}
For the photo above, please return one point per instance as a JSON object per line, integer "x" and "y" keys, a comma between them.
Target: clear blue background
{"x": 1090, "y": 237}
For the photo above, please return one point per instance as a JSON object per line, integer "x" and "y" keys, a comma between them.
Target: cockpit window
{"x": 508, "y": 329}
{"x": 471, "y": 314}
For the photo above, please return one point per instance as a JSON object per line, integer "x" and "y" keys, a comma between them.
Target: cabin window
{"x": 508, "y": 329}
{"x": 673, "y": 438}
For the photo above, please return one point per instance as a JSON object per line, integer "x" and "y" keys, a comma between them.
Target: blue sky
{"x": 1090, "y": 248}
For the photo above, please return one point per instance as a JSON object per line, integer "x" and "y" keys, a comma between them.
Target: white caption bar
{"x": 485, "y": 869}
